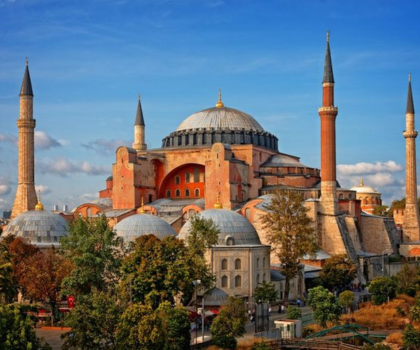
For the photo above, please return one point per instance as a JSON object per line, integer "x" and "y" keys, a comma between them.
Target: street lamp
{"x": 255, "y": 316}
{"x": 203, "y": 319}
{"x": 196, "y": 283}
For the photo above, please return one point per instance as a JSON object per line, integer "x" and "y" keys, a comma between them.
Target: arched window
{"x": 258, "y": 279}
{"x": 177, "y": 180}
{"x": 263, "y": 262}
{"x": 224, "y": 282}
{"x": 177, "y": 193}
{"x": 168, "y": 193}
{"x": 229, "y": 240}
{"x": 238, "y": 264}
{"x": 197, "y": 192}
{"x": 224, "y": 264}
{"x": 263, "y": 277}
{"x": 187, "y": 177}
{"x": 196, "y": 175}
{"x": 340, "y": 196}
{"x": 238, "y": 281}
{"x": 187, "y": 192}
{"x": 258, "y": 263}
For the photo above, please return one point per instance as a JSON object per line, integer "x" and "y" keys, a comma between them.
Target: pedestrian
{"x": 282, "y": 308}
{"x": 298, "y": 302}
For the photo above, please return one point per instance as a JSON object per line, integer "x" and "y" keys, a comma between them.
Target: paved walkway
{"x": 52, "y": 337}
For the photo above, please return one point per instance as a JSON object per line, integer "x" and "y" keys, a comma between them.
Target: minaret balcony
{"x": 410, "y": 134}
{"x": 329, "y": 109}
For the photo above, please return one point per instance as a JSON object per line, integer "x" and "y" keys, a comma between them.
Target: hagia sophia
{"x": 220, "y": 163}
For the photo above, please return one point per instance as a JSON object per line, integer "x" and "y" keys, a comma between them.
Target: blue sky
{"x": 90, "y": 59}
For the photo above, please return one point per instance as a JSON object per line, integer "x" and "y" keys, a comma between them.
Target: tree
{"x": 380, "y": 210}
{"x": 408, "y": 280}
{"x": 158, "y": 270}
{"x": 382, "y": 289}
{"x": 92, "y": 247}
{"x": 346, "y": 299}
{"x": 290, "y": 232}
{"x": 43, "y": 275}
{"x": 293, "y": 313}
{"x": 177, "y": 326}
{"x": 8, "y": 287}
{"x": 325, "y": 305}
{"x": 338, "y": 272}
{"x": 94, "y": 322}
{"x": 230, "y": 324}
{"x": 141, "y": 328}
{"x": 265, "y": 292}
{"x": 17, "y": 332}
{"x": 411, "y": 338}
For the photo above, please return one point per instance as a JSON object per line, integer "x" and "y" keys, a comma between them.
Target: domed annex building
{"x": 238, "y": 260}
{"x": 39, "y": 227}
{"x": 369, "y": 197}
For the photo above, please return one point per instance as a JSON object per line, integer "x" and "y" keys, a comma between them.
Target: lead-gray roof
{"x": 40, "y": 227}
{"x": 220, "y": 118}
{"x": 328, "y": 70}
{"x": 231, "y": 225}
{"x": 282, "y": 160}
{"x": 410, "y": 103}
{"x": 26, "y": 88}
{"x": 143, "y": 224}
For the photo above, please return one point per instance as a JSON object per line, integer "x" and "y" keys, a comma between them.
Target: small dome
{"x": 223, "y": 118}
{"x": 39, "y": 227}
{"x": 362, "y": 188}
{"x": 234, "y": 228}
{"x": 143, "y": 224}
{"x": 215, "y": 297}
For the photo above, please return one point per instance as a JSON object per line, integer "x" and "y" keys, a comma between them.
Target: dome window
{"x": 230, "y": 240}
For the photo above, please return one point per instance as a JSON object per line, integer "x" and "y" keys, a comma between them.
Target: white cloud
{"x": 102, "y": 146}
{"x": 368, "y": 168}
{"x": 44, "y": 141}
{"x": 63, "y": 167}
{"x": 5, "y": 187}
{"x": 42, "y": 189}
{"x": 10, "y": 139}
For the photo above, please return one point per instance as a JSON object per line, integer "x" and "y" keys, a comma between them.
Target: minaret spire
{"x": 139, "y": 129}
{"x": 25, "y": 198}
{"x": 328, "y": 113}
{"x": 411, "y": 226}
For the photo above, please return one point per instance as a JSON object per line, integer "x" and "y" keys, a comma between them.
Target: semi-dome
{"x": 220, "y": 124}
{"x": 39, "y": 227}
{"x": 143, "y": 224}
{"x": 234, "y": 228}
{"x": 362, "y": 188}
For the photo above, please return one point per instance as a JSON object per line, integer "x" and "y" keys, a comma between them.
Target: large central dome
{"x": 220, "y": 124}
{"x": 223, "y": 118}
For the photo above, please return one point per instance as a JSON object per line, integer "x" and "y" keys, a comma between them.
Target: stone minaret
{"x": 139, "y": 130}
{"x": 25, "y": 195}
{"x": 328, "y": 113}
{"x": 411, "y": 213}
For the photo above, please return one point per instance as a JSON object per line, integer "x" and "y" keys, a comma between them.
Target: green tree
{"x": 346, "y": 299}
{"x": 156, "y": 271}
{"x": 293, "y": 313}
{"x": 261, "y": 346}
{"x": 8, "y": 287}
{"x": 230, "y": 324}
{"x": 325, "y": 305}
{"x": 177, "y": 326}
{"x": 376, "y": 346}
{"x": 17, "y": 332}
{"x": 411, "y": 338}
{"x": 94, "y": 322}
{"x": 380, "y": 210}
{"x": 141, "y": 328}
{"x": 382, "y": 289}
{"x": 92, "y": 247}
{"x": 290, "y": 232}
{"x": 408, "y": 280}
{"x": 338, "y": 272}
{"x": 265, "y": 292}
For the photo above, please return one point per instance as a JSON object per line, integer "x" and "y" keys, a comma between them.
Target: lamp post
{"x": 255, "y": 316}
{"x": 196, "y": 283}
{"x": 203, "y": 318}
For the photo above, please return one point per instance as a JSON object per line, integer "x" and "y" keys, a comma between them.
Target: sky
{"x": 89, "y": 60}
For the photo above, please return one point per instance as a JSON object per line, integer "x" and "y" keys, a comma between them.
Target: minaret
{"x": 411, "y": 213}
{"x": 25, "y": 195}
{"x": 328, "y": 113}
{"x": 139, "y": 130}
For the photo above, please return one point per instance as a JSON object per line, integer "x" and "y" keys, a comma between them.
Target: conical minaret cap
{"x": 26, "y": 88}
{"x": 139, "y": 115}
{"x": 410, "y": 103}
{"x": 328, "y": 70}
